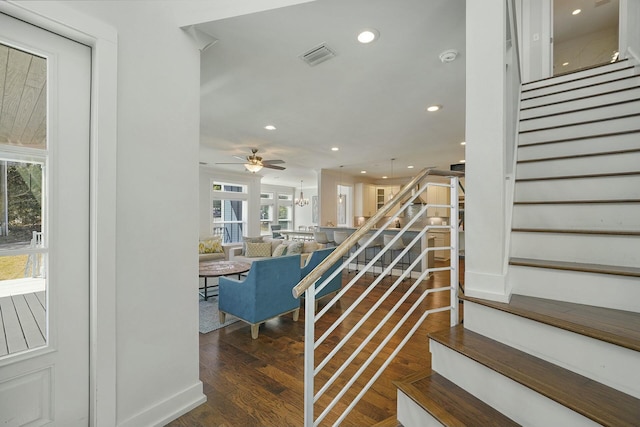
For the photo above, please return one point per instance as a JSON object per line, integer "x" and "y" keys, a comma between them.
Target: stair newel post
{"x": 453, "y": 229}
{"x": 309, "y": 342}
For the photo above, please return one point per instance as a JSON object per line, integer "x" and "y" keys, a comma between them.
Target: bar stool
{"x": 339, "y": 237}
{"x": 373, "y": 246}
{"x": 321, "y": 237}
{"x": 397, "y": 247}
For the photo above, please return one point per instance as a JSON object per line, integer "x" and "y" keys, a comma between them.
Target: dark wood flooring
{"x": 260, "y": 382}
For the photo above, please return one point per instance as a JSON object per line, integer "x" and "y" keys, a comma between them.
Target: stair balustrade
{"x": 357, "y": 340}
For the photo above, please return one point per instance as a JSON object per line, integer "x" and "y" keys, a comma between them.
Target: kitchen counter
{"x": 407, "y": 237}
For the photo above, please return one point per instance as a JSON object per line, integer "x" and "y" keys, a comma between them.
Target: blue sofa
{"x": 265, "y": 293}
{"x": 334, "y": 285}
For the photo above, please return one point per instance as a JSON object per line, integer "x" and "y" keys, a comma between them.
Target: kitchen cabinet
{"x": 438, "y": 196}
{"x": 442, "y": 239}
{"x": 365, "y": 199}
{"x": 383, "y": 194}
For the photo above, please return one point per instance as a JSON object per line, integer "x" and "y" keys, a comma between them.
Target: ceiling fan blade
{"x": 272, "y": 162}
{"x": 239, "y": 158}
{"x": 233, "y": 163}
{"x": 280, "y": 168}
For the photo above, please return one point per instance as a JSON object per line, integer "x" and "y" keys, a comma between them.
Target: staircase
{"x": 566, "y": 349}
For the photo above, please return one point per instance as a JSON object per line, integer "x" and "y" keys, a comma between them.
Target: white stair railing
{"x": 358, "y": 338}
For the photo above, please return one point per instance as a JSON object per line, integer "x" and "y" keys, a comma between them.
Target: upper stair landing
{"x": 587, "y": 76}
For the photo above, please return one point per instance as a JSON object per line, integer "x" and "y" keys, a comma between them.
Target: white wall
{"x": 536, "y": 39}
{"x": 584, "y": 51}
{"x": 485, "y": 219}
{"x": 629, "y": 27}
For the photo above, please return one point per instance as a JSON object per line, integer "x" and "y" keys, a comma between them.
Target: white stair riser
{"x": 575, "y": 84}
{"x": 619, "y": 217}
{"x": 611, "y": 163}
{"x": 410, "y": 414}
{"x": 621, "y": 251}
{"x": 505, "y": 395}
{"x": 582, "y": 92}
{"x": 578, "y": 131}
{"x": 599, "y": 113}
{"x": 580, "y": 146}
{"x": 609, "y": 188}
{"x": 602, "y": 362}
{"x": 577, "y": 75}
{"x": 579, "y": 104}
{"x": 602, "y": 290}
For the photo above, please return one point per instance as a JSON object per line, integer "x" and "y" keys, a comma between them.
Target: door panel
{"x": 44, "y": 126}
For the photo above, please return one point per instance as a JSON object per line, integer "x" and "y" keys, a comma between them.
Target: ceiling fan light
{"x": 253, "y": 167}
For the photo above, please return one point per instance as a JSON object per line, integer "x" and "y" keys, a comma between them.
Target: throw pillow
{"x": 210, "y": 246}
{"x": 295, "y": 248}
{"x": 255, "y": 250}
{"x": 280, "y": 250}
{"x": 246, "y": 240}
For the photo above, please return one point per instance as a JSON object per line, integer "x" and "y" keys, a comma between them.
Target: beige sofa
{"x": 211, "y": 248}
{"x": 239, "y": 253}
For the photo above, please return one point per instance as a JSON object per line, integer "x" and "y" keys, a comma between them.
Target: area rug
{"x": 209, "y": 320}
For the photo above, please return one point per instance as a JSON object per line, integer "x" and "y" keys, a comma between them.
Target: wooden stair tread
{"x": 576, "y": 266}
{"x": 576, "y": 156}
{"x": 576, "y": 202}
{"x": 450, "y": 404}
{"x": 579, "y": 138}
{"x": 577, "y": 231}
{"x": 616, "y": 327}
{"x": 589, "y": 398}
{"x": 593, "y": 175}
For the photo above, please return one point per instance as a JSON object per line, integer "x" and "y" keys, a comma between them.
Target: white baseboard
{"x": 169, "y": 409}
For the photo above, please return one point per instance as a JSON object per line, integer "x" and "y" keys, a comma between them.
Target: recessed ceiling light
{"x": 463, "y": 143}
{"x": 433, "y": 108}
{"x": 564, "y": 64}
{"x": 270, "y": 127}
{"x": 384, "y": 177}
{"x": 577, "y": 11}
{"x": 334, "y": 149}
{"x": 368, "y": 35}
{"x": 410, "y": 167}
{"x": 463, "y": 161}
{"x": 363, "y": 171}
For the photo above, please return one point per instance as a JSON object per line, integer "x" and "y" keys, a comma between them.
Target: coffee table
{"x": 220, "y": 268}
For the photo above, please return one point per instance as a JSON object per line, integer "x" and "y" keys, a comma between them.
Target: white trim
{"x": 165, "y": 411}
{"x": 102, "y": 39}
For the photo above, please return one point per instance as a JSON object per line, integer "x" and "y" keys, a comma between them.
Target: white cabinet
{"x": 365, "y": 199}
{"x": 442, "y": 239}
{"x": 383, "y": 195}
{"x": 438, "y": 196}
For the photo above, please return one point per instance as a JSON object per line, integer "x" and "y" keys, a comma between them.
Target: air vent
{"x": 601, "y": 2}
{"x": 317, "y": 55}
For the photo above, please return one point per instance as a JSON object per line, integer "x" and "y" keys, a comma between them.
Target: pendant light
{"x": 391, "y": 192}
{"x": 340, "y": 195}
{"x": 301, "y": 201}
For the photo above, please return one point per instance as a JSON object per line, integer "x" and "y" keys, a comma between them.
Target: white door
{"x": 44, "y": 159}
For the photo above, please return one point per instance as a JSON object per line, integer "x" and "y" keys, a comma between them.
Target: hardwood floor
{"x": 260, "y": 382}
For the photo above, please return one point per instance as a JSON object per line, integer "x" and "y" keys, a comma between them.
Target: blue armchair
{"x": 264, "y": 294}
{"x": 334, "y": 285}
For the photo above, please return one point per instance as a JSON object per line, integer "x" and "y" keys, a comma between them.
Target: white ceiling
{"x": 369, "y": 100}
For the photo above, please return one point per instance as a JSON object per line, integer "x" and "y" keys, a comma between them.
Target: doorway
{"x": 44, "y": 146}
{"x": 585, "y": 34}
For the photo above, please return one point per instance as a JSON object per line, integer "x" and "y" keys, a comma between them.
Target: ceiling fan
{"x": 254, "y": 162}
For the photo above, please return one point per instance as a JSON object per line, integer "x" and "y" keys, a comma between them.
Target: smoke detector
{"x": 448, "y": 55}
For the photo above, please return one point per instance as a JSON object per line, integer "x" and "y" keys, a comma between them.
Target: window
{"x": 274, "y": 200}
{"x": 266, "y": 212}
{"x": 228, "y": 210}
